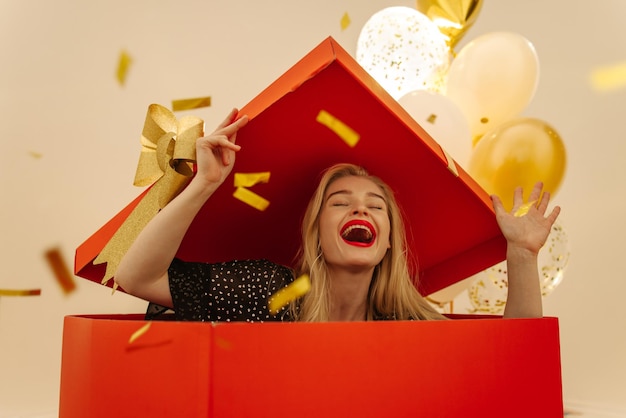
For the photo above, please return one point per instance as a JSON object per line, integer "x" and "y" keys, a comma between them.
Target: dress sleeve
{"x": 188, "y": 286}
{"x": 231, "y": 291}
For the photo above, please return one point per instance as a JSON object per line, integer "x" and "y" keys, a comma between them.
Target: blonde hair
{"x": 392, "y": 293}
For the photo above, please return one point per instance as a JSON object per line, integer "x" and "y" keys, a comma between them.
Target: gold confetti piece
{"x": 250, "y": 179}
{"x": 188, "y": 104}
{"x": 345, "y": 21}
{"x": 61, "y": 271}
{"x": 523, "y": 210}
{"x": 251, "y": 198}
{"x": 293, "y": 291}
{"x": 36, "y": 155}
{"x": 139, "y": 333}
{"x": 122, "y": 67}
{"x": 21, "y": 292}
{"x": 223, "y": 343}
{"x": 431, "y": 119}
{"x": 342, "y": 130}
{"x": 114, "y": 287}
{"x": 609, "y": 78}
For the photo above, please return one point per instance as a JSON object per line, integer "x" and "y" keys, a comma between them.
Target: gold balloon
{"x": 452, "y": 17}
{"x": 520, "y": 152}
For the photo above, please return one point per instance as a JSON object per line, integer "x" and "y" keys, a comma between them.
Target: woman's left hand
{"x": 526, "y": 230}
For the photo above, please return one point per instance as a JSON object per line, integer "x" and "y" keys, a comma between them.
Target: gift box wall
{"x": 451, "y": 225}
{"x": 459, "y": 368}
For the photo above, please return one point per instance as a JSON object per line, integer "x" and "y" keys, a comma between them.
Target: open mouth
{"x": 358, "y": 232}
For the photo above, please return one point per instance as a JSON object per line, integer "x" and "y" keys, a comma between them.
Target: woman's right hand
{"x": 215, "y": 153}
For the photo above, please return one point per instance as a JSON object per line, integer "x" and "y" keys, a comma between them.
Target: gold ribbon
{"x": 167, "y": 157}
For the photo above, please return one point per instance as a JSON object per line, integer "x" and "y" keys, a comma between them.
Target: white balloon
{"x": 493, "y": 78}
{"x": 403, "y": 50}
{"x": 443, "y": 120}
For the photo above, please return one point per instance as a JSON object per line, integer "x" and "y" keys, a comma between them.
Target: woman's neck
{"x": 349, "y": 291}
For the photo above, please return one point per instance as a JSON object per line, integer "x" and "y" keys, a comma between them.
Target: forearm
{"x": 147, "y": 260}
{"x": 524, "y": 291}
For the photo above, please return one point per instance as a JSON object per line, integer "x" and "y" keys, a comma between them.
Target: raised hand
{"x": 215, "y": 153}
{"x": 526, "y": 230}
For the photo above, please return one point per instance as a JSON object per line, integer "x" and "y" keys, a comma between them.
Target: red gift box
{"x": 451, "y": 224}
{"x": 467, "y": 367}
{"x": 460, "y": 368}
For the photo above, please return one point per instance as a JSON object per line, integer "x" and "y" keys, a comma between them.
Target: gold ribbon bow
{"x": 167, "y": 157}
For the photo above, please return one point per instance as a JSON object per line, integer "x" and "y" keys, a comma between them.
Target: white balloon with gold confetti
{"x": 403, "y": 50}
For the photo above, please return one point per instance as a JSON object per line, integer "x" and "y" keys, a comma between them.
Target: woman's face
{"x": 354, "y": 225}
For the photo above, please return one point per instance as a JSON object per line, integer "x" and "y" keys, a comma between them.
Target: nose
{"x": 360, "y": 209}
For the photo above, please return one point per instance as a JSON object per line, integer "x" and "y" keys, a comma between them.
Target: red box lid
{"x": 451, "y": 224}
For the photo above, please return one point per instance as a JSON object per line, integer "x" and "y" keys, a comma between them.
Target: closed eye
{"x": 376, "y": 204}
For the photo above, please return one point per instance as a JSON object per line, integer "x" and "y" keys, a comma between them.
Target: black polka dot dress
{"x": 230, "y": 291}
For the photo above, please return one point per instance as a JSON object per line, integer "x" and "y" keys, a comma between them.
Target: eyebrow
{"x": 349, "y": 192}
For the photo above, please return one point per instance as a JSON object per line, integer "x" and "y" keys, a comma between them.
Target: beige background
{"x": 70, "y": 145}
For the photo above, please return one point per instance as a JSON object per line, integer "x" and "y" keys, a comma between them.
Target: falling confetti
{"x": 251, "y": 198}
{"x": 345, "y": 21}
{"x": 244, "y": 180}
{"x": 294, "y": 290}
{"x": 36, "y": 155}
{"x": 21, "y": 292}
{"x": 122, "y": 67}
{"x": 346, "y": 133}
{"x": 60, "y": 270}
{"x": 609, "y": 78}
{"x": 139, "y": 333}
{"x": 250, "y": 179}
{"x": 188, "y": 104}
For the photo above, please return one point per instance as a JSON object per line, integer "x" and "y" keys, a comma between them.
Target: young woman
{"x": 353, "y": 249}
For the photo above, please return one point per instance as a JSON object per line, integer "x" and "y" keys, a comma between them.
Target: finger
{"x": 551, "y": 218}
{"x": 535, "y": 193}
{"x": 518, "y": 198}
{"x": 497, "y": 204}
{"x": 217, "y": 141}
{"x": 242, "y": 122}
{"x": 227, "y": 156}
{"x": 543, "y": 203}
{"x": 232, "y": 129}
{"x": 229, "y": 119}
{"x": 224, "y": 142}
{"x": 226, "y": 150}
{"x": 217, "y": 145}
